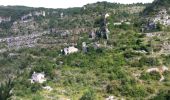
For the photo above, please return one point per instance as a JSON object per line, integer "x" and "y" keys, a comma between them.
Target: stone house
{"x": 38, "y": 77}
{"x": 69, "y": 50}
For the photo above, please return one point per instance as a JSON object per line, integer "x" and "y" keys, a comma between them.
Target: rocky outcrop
{"x": 23, "y": 41}
{"x": 5, "y": 19}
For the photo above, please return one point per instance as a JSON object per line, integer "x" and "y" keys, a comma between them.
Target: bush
{"x": 152, "y": 76}
{"x": 110, "y": 89}
{"x": 89, "y": 95}
{"x": 35, "y": 87}
{"x": 163, "y": 95}
{"x": 113, "y": 87}
{"x": 37, "y": 97}
{"x": 5, "y": 90}
{"x": 44, "y": 65}
{"x": 149, "y": 61}
{"x": 145, "y": 76}
{"x": 134, "y": 91}
{"x": 131, "y": 54}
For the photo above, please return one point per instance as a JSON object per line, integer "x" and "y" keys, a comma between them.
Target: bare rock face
{"x": 5, "y": 19}
{"x": 162, "y": 17}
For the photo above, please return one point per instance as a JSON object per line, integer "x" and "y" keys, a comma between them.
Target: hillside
{"x": 94, "y": 52}
{"x": 156, "y": 6}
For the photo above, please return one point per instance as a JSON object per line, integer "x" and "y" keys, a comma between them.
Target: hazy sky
{"x": 62, "y": 3}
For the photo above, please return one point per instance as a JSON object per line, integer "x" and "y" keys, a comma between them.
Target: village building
{"x": 38, "y": 78}
{"x": 69, "y": 50}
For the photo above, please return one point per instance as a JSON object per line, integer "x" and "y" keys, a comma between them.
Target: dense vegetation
{"x": 6, "y": 90}
{"x": 116, "y": 68}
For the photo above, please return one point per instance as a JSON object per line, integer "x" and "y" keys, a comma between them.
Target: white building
{"x": 106, "y": 15}
{"x": 38, "y": 77}
{"x": 70, "y": 50}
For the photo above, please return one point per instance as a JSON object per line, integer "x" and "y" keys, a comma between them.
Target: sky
{"x": 62, "y": 3}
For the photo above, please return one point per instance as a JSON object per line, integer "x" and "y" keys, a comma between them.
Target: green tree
{"x": 89, "y": 95}
{"x": 5, "y": 90}
{"x": 163, "y": 95}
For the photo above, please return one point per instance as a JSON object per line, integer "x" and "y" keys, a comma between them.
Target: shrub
{"x": 145, "y": 76}
{"x": 37, "y": 97}
{"x": 35, "y": 87}
{"x": 44, "y": 65}
{"x": 163, "y": 95}
{"x": 5, "y": 90}
{"x": 110, "y": 88}
{"x": 134, "y": 91}
{"x": 149, "y": 61}
{"x": 89, "y": 95}
{"x": 152, "y": 76}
